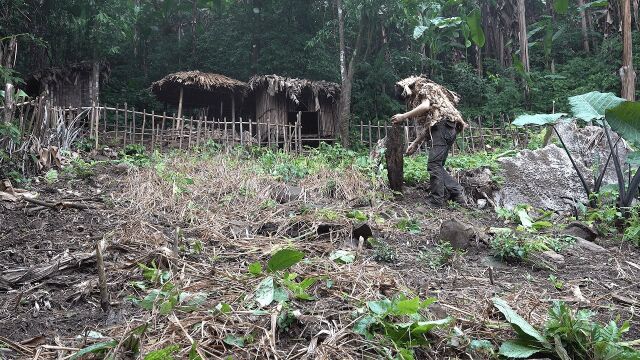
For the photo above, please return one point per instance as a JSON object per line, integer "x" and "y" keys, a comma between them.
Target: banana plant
{"x": 611, "y": 113}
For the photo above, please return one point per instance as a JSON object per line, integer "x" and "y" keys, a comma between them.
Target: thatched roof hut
{"x": 74, "y": 85}
{"x": 199, "y": 89}
{"x": 279, "y": 99}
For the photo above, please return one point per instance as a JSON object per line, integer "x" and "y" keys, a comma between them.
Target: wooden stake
{"x": 181, "y": 124}
{"x": 102, "y": 279}
{"x": 180, "y": 102}
{"x": 199, "y": 128}
{"x": 124, "y": 133}
{"x": 97, "y": 125}
{"x": 153, "y": 129}
{"x": 117, "y": 106}
{"x": 144, "y": 123}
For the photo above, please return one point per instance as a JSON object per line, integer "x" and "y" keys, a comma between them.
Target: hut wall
{"x": 73, "y": 92}
{"x": 270, "y": 109}
{"x": 329, "y": 116}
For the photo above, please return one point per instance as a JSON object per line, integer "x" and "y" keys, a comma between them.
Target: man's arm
{"x": 418, "y": 111}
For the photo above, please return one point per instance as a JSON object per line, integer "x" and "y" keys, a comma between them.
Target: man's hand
{"x": 398, "y": 118}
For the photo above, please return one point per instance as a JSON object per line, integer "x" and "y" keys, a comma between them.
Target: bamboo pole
{"x": 180, "y": 102}
{"x": 153, "y": 129}
{"x": 190, "y": 132}
{"x": 181, "y": 124}
{"x": 144, "y": 123}
{"x": 199, "y": 129}
{"x": 370, "y": 136}
{"x": 97, "y": 125}
{"x": 233, "y": 131}
{"x": 124, "y": 132}
{"x": 116, "y": 121}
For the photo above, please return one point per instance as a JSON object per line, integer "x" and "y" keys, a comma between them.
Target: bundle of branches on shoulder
{"x": 418, "y": 89}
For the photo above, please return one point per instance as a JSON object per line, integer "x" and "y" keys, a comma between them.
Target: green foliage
{"x": 10, "y": 131}
{"x": 343, "y": 256}
{"x": 632, "y": 230}
{"x": 438, "y": 256}
{"x": 80, "y": 169}
{"x": 399, "y": 321}
{"x": 51, "y": 176}
{"x": 163, "y": 354}
{"x": 97, "y": 348}
{"x": 594, "y": 105}
{"x": 274, "y": 287}
{"x": 411, "y": 226}
{"x": 567, "y": 334}
{"x": 415, "y": 170}
{"x": 538, "y": 119}
{"x": 382, "y": 251}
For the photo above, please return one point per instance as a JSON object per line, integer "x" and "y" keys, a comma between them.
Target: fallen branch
{"x": 59, "y": 205}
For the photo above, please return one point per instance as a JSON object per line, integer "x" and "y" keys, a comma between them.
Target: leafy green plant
{"x": 281, "y": 284}
{"x": 169, "y": 298}
{"x": 80, "y": 169}
{"x": 566, "y": 335}
{"x": 409, "y": 225}
{"x": 382, "y": 251}
{"x": 399, "y": 321}
{"x": 607, "y": 110}
{"x": 51, "y": 176}
{"x": 632, "y": 230}
{"x": 439, "y": 256}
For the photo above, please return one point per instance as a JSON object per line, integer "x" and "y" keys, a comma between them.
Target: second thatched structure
{"x": 281, "y": 100}
{"x": 221, "y": 95}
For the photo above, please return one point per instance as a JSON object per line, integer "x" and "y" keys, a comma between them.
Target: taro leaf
{"x": 593, "y": 105}
{"x": 381, "y": 307}
{"x": 362, "y": 326}
{"x": 525, "y": 219}
{"x": 475, "y": 25}
{"x": 625, "y": 120}
{"x": 234, "y": 340}
{"x": 280, "y": 295}
{"x": 518, "y": 349}
{"x": 95, "y": 348}
{"x": 255, "y": 269}
{"x": 406, "y": 307}
{"x": 561, "y": 6}
{"x": 284, "y": 259}
{"x": 418, "y": 31}
{"x": 343, "y": 256}
{"x": 162, "y": 354}
{"x": 633, "y": 158}
{"x": 538, "y": 119}
{"x": 265, "y": 292}
{"x": 520, "y": 325}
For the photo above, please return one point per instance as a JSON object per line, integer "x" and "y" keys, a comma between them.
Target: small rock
{"x": 589, "y": 246}
{"x": 459, "y": 234}
{"x": 482, "y": 203}
{"x": 553, "y": 257}
{"x": 287, "y": 193}
{"x": 580, "y": 230}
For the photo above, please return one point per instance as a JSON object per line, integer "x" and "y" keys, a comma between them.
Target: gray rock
{"x": 543, "y": 178}
{"x": 589, "y": 246}
{"x": 287, "y": 193}
{"x": 459, "y": 234}
{"x": 589, "y": 145}
{"x": 580, "y": 230}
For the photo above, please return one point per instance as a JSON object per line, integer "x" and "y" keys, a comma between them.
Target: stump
{"x": 395, "y": 157}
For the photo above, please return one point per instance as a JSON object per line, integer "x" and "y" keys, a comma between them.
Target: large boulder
{"x": 589, "y": 145}
{"x": 542, "y": 178}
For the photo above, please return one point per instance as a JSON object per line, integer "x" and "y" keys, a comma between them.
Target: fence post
{"x": 124, "y": 132}
{"x": 144, "y": 123}
{"x": 97, "y": 124}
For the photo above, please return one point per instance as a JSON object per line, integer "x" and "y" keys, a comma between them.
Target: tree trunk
{"x": 346, "y": 75}
{"x": 395, "y": 157}
{"x": 585, "y": 29}
{"x": 7, "y": 58}
{"x": 524, "y": 42}
{"x": 627, "y": 73}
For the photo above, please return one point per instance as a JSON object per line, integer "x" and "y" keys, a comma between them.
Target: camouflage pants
{"x": 442, "y": 185}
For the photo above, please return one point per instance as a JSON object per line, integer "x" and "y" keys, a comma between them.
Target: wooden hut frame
{"x": 197, "y": 89}
{"x": 281, "y": 101}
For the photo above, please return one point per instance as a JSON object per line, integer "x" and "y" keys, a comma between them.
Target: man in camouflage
{"x": 433, "y": 108}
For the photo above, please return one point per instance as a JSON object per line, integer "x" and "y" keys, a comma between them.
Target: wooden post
{"x": 117, "y": 107}
{"x": 370, "y": 140}
{"x": 132, "y": 137}
{"x": 181, "y": 124}
{"x": 124, "y": 132}
{"x": 241, "y": 132}
{"x": 153, "y": 129}
{"x": 162, "y": 130}
{"x": 233, "y": 131}
{"x": 97, "y": 125}
{"x": 102, "y": 279}
{"x": 190, "y": 132}
{"x": 299, "y": 130}
{"x": 233, "y": 107}
{"x": 144, "y": 123}
{"x": 361, "y": 131}
{"x": 395, "y": 157}
{"x": 199, "y": 129}
{"x": 180, "y": 102}
{"x": 226, "y": 131}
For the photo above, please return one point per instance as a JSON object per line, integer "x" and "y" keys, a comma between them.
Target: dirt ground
{"x": 55, "y": 308}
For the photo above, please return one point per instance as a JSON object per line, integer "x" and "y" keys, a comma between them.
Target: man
{"x": 433, "y": 107}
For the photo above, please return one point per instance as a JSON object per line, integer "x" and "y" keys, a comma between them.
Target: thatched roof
{"x": 200, "y": 88}
{"x": 294, "y": 88}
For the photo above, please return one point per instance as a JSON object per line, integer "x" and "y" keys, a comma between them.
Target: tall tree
{"x": 584, "y": 25}
{"x": 346, "y": 72}
{"x": 627, "y": 73}
{"x": 522, "y": 33}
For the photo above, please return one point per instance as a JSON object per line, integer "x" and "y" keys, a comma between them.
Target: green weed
{"x": 382, "y": 251}
{"x": 440, "y": 255}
